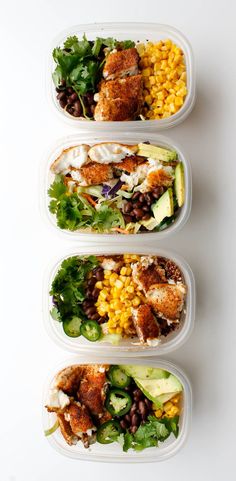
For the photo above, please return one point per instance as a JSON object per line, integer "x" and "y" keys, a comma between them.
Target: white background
{"x": 28, "y": 128}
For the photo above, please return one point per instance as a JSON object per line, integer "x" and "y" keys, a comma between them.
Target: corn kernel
{"x": 99, "y": 285}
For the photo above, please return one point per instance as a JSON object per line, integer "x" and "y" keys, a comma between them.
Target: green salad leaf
{"x": 67, "y": 287}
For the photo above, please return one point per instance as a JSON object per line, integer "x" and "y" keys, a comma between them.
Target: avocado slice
{"x": 158, "y": 390}
{"x": 179, "y": 184}
{"x": 157, "y": 153}
{"x": 144, "y": 372}
{"x": 164, "y": 206}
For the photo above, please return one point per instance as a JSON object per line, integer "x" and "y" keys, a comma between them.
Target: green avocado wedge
{"x": 164, "y": 206}
{"x": 179, "y": 184}
{"x": 144, "y": 372}
{"x": 159, "y": 390}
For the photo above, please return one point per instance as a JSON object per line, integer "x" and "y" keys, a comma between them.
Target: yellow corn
{"x": 164, "y": 71}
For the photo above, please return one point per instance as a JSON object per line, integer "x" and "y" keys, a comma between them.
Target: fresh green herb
{"x": 73, "y": 211}
{"x": 68, "y": 286}
{"x": 80, "y": 62}
{"x": 149, "y": 434}
{"x": 105, "y": 218}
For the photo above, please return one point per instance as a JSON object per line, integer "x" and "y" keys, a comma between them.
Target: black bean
{"x": 101, "y": 320}
{"x": 127, "y": 218}
{"x": 146, "y": 216}
{"x": 133, "y": 409}
{"x": 95, "y": 292}
{"x": 156, "y": 195}
{"x": 100, "y": 275}
{"x": 91, "y": 282}
{"x": 138, "y": 394}
{"x": 135, "y": 195}
{"x": 70, "y": 109}
{"x": 95, "y": 316}
{"x": 137, "y": 204}
{"x": 91, "y": 310}
{"x": 138, "y": 213}
{"x": 134, "y": 420}
{"x": 73, "y": 97}
{"x": 63, "y": 103}
{"x": 61, "y": 96}
{"x": 146, "y": 208}
{"x": 133, "y": 429}
{"x": 128, "y": 207}
{"x": 141, "y": 198}
{"x": 75, "y": 113}
{"x": 127, "y": 418}
{"x": 69, "y": 90}
{"x": 123, "y": 424}
{"x": 77, "y": 106}
{"x": 142, "y": 408}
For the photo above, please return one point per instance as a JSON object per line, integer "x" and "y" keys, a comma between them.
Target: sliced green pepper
{"x": 108, "y": 432}
{"x": 91, "y": 330}
{"x": 117, "y": 377}
{"x": 72, "y": 327}
{"x": 118, "y": 402}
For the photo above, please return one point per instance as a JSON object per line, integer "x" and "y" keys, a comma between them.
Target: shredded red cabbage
{"x": 108, "y": 191}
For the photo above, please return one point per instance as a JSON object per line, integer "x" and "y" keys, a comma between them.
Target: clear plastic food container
{"x": 127, "y": 138}
{"x": 126, "y": 347}
{"x": 136, "y": 32}
{"x": 113, "y": 452}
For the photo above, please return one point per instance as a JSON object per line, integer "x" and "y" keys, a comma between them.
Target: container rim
{"x": 73, "y": 345}
{"x": 121, "y": 457}
{"x": 127, "y": 137}
{"x": 135, "y": 28}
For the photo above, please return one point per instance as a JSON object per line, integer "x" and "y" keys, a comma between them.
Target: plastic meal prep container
{"x": 80, "y": 345}
{"x": 137, "y": 32}
{"x": 127, "y": 138}
{"x": 111, "y": 453}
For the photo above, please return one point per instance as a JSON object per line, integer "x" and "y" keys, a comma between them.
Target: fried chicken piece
{"x": 66, "y": 430}
{"x": 121, "y": 64}
{"x": 130, "y": 163}
{"x": 73, "y": 157}
{"x": 158, "y": 178}
{"x": 79, "y": 418}
{"x": 146, "y": 325}
{"x": 167, "y": 300}
{"x": 91, "y": 390}
{"x": 120, "y": 99}
{"x": 106, "y": 416}
{"x": 68, "y": 379}
{"x": 94, "y": 173}
{"x": 145, "y": 277}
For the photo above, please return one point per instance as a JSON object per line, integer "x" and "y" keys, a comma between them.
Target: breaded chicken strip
{"x": 68, "y": 379}
{"x": 167, "y": 300}
{"x": 145, "y": 277}
{"x": 79, "y": 418}
{"x": 130, "y": 163}
{"x": 121, "y": 64}
{"x": 91, "y": 390}
{"x": 93, "y": 174}
{"x": 66, "y": 430}
{"x": 145, "y": 323}
{"x": 120, "y": 99}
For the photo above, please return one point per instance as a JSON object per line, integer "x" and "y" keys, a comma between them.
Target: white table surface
{"x": 28, "y": 128}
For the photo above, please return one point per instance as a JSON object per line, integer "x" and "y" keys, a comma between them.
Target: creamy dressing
{"x": 109, "y": 152}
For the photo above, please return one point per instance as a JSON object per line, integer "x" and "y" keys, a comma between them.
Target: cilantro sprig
{"x": 150, "y": 433}
{"x": 67, "y": 287}
{"x": 79, "y": 62}
{"x": 73, "y": 211}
